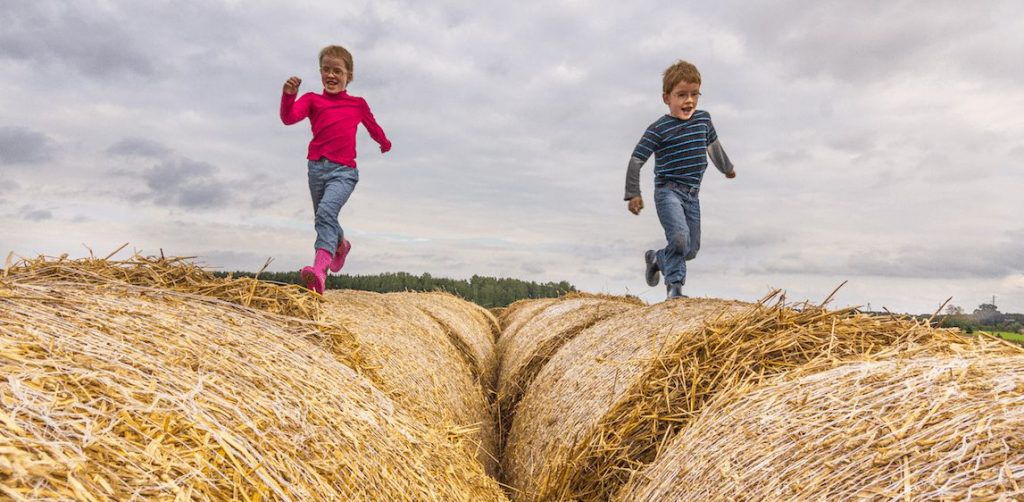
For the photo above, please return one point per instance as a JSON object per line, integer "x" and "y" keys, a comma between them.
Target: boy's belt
{"x": 677, "y": 186}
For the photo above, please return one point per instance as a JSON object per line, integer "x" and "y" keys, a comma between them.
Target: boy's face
{"x": 682, "y": 101}
{"x": 333, "y": 74}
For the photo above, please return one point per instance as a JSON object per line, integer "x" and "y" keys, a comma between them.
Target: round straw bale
{"x": 471, "y": 329}
{"x": 580, "y": 384}
{"x": 171, "y": 273}
{"x": 181, "y": 275}
{"x": 600, "y": 408}
{"x": 518, "y": 313}
{"x": 119, "y": 392}
{"x": 919, "y": 429}
{"x": 417, "y": 365}
{"x": 528, "y": 349}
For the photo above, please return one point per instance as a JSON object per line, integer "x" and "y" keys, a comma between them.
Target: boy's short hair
{"x": 680, "y": 71}
{"x": 337, "y": 51}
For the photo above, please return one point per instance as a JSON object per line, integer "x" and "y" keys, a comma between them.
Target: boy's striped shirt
{"x": 680, "y": 147}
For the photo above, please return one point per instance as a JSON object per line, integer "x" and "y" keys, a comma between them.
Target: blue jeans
{"x": 330, "y": 185}
{"x": 679, "y": 213}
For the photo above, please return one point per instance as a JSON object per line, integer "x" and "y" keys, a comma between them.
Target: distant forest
{"x": 484, "y": 291}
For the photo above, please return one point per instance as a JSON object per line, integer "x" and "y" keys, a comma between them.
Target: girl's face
{"x": 333, "y": 74}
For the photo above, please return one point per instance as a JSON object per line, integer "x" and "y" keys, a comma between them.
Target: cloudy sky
{"x": 878, "y": 142}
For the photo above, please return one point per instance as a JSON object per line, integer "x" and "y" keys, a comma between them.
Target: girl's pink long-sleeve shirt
{"x": 334, "y": 119}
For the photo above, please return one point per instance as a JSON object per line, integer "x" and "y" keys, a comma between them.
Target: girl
{"x": 334, "y": 116}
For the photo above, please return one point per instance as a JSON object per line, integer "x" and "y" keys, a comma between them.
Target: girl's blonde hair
{"x": 337, "y": 51}
{"x": 680, "y": 71}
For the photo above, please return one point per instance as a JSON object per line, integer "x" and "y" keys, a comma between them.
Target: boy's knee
{"x": 692, "y": 254}
{"x": 680, "y": 243}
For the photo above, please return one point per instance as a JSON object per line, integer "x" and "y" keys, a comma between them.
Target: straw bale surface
{"x": 118, "y": 392}
{"x": 528, "y": 349}
{"x": 657, "y": 397}
{"x": 418, "y": 366}
{"x": 173, "y": 273}
{"x": 920, "y": 429}
{"x": 583, "y": 381}
{"x": 471, "y": 328}
{"x": 181, "y": 275}
{"x": 519, "y": 313}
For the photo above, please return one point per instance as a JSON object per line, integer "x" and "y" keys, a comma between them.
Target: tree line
{"x": 986, "y": 317}
{"x": 484, "y": 291}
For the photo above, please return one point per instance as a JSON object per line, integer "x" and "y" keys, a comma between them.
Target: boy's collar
{"x": 683, "y": 120}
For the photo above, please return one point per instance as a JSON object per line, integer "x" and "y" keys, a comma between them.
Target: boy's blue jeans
{"x": 330, "y": 185}
{"x": 679, "y": 212}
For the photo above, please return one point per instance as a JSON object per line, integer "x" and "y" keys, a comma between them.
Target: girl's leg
{"x": 314, "y": 173}
{"x": 338, "y": 187}
{"x": 330, "y": 186}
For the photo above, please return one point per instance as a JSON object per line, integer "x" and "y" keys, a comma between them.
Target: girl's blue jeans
{"x": 330, "y": 185}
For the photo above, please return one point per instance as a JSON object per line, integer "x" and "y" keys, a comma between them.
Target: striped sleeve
{"x": 712, "y": 134}
{"x": 649, "y": 142}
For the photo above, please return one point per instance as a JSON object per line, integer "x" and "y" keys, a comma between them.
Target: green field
{"x": 1006, "y": 335}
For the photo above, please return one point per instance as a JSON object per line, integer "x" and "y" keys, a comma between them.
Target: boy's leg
{"x": 671, "y": 259}
{"x": 691, "y": 206}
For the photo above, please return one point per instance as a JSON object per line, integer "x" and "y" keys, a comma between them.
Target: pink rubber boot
{"x": 339, "y": 256}
{"x": 316, "y": 275}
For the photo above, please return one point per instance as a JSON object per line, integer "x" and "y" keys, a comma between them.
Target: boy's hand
{"x": 636, "y": 204}
{"x": 731, "y": 174}
{"x": 291, "y": 86}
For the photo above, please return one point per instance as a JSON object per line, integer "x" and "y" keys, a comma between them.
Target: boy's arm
{"x": 720, "y": 159}
{"x": 636, "y": 203}
{"x": 293, "y": 111}
{"x": 376, "y": 132}
{"x": 633, "y": 178}
{"x": 648, "y": 143}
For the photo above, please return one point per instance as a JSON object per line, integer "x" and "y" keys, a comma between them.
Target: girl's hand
{"x": 291, "y": 86}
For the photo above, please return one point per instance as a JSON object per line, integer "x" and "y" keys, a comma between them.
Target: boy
{"x": 681, "y": 142}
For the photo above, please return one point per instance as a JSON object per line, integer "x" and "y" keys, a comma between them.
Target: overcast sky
{"x": 878, "y": 142}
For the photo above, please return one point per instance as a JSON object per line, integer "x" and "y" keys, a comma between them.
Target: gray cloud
{"x": 184, "y": 183}
{"x": 9, "y": 186}
{"x": 93, "y": 39}
{"x": 752, "y": 239}
{"x": 982, "y": 260}
{"x": 957, "y": 262}
{"x": 19, "y": 145}
{"x": 140, "y": 147}
{"x": 532, "y": 268}
{"x": 32, "y": 214}
{"x": 862, "y": 41}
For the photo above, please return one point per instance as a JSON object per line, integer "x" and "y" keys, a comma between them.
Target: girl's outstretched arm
{"x": 292, "y": 112}
{"x": 374, "y": 129}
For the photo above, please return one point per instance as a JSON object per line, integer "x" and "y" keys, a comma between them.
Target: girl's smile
{"x": 333, "y": 74}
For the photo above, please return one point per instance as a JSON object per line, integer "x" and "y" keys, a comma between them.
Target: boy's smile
{"x": 682, "y": 101}
{"x": 333, "y": 74}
